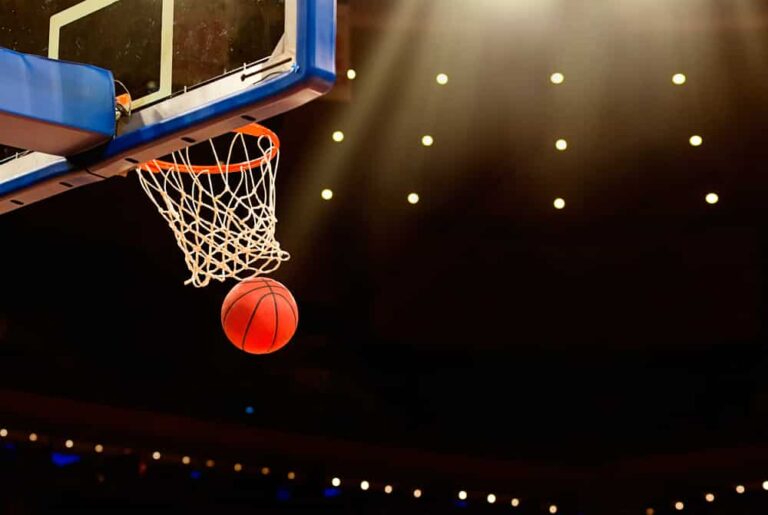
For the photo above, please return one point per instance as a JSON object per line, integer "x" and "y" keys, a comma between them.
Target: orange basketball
{"x": 259, "y": 315}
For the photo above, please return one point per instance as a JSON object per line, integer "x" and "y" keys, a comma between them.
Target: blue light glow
{"x": 195, "y": 474}
{"x": 283, "y": 494}
{"x": 64, "y": 460}
{"x": 249, "y": 410}
{"x": 331, "y": 492}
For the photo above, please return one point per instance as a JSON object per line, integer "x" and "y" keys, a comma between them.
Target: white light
{"x": 515, "y": 502}
{"x": 740, "y": 489}
{"x": 678, "y": 79}
{"x": 336, "y": 482}
{"x": 388, "y": 489}
{"x": 186, "y": 460}
{"x": 553, "y": 509}
{"x": 441, "y": 79}
{"x": 3, "y": 432}
{"x": 765, "y": 485}
{"x": 338, "y": 136}
{"x": 462, "y": 495}
{"x": 427, "y": 140}
{"x": 413, "y": 198}
{"x": 696, "y": 140}
{"x": 559, "y": 203}
{"x": 364, "y": 485}
{"x": 679, "y": 506}
{"x": 156, "y": 455}
{"x": 238, "y": 467}
{"x": 557, "y": 78}
{"x": 32, "y": 437}
{"x": 417, "y": 493}
{"x": 712, "y": 198}
{"x": 351, "y": 74}
{"x": 98, "y": 448}
{"x": 491, "y": 498}
{"x": 561, "y": 145}
{"x": 69, "y": 444}
{"x": 326, "y": 194}
{"x": 710, "y": 497}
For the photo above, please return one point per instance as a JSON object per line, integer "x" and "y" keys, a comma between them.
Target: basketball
{"x": 259, "y": 316}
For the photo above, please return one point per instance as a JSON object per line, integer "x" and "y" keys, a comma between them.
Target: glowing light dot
{"x": 351, "y": 74}
{"x": 679, "y": 79}
{"x": 32, "y": 437}
{"x": 291, "y": 475}
{"x": 491, "y": 498}
{"x": 265, "y": 471}
{"x": 336, "y": 482}
{"x": 364, "y": 485}
{"x": 712, "y": 198}
{"x": 427, "y": 140}
{"x": 515, "y": 502}
{"x": 553, "y": 509}
{"x": 649, "y": 511}
{"x": 462, "y": 495}
{"x": 557, "y": 78}
{"x": 210, "y": 464}
{"x": 98, "y": 448}
{"x": 69, "y": 444}
{"x": 710, "y": 497}
{"x": 388, "y": 489}
{"x": 441, "y": 79}
{"x": 559, "y": 203}
{"x": 417, "y": 493}
{"x": 338, "y": 136}
{"x": 326, "y": 194}
{"x": 3, "y": 433}
{"x": 238, "y": 467}
{"x": 765, "y": 485}
{"x": 156, "y": 455}
{"x": 696, "y": 141}
{"x": 413, "y": 198}
{"x": 561, "y": 145}
{"x": 186, "y": 460}
{"x": 679, "y": 506}
{"x": 740, "y": 489}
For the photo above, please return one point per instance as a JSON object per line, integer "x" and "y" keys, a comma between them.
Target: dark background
{"x": 610, "y": 356}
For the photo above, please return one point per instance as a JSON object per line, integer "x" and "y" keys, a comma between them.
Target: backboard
{"x": 195, "y": 69}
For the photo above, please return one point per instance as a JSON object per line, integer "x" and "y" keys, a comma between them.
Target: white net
{"x": 223, "y": 215}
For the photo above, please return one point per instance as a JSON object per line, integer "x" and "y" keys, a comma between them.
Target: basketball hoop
{"x": 223, "y": 215}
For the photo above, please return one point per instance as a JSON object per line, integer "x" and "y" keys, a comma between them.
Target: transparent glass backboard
{"x": 194, "y": 68}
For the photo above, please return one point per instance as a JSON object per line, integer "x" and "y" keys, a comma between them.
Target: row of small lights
{"x": 561, "y": 144}
{"x": 365, "y": 485}
{"x": 462, "y": 495}
{"x": 156, "y": 455}
{"x": 238, "y": 467}
{"x": 709, "y": 497}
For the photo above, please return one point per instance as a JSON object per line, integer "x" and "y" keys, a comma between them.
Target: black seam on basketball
{"x": 290, "y": 305}
{"x": 231, "y": 304}
{"x": 250, "y": 320}
{"x": 277, "y": 319}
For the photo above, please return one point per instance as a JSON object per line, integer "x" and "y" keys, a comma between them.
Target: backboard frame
{"x": 301, "y": 68}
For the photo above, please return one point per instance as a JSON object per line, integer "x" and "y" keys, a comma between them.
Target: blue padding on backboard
{"x": 56, "y": 107}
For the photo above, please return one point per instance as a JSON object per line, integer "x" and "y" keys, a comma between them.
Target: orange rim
{"x": 252, "y": 129}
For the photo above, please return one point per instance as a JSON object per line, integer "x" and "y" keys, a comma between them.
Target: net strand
{"x": 224, "y": 222}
